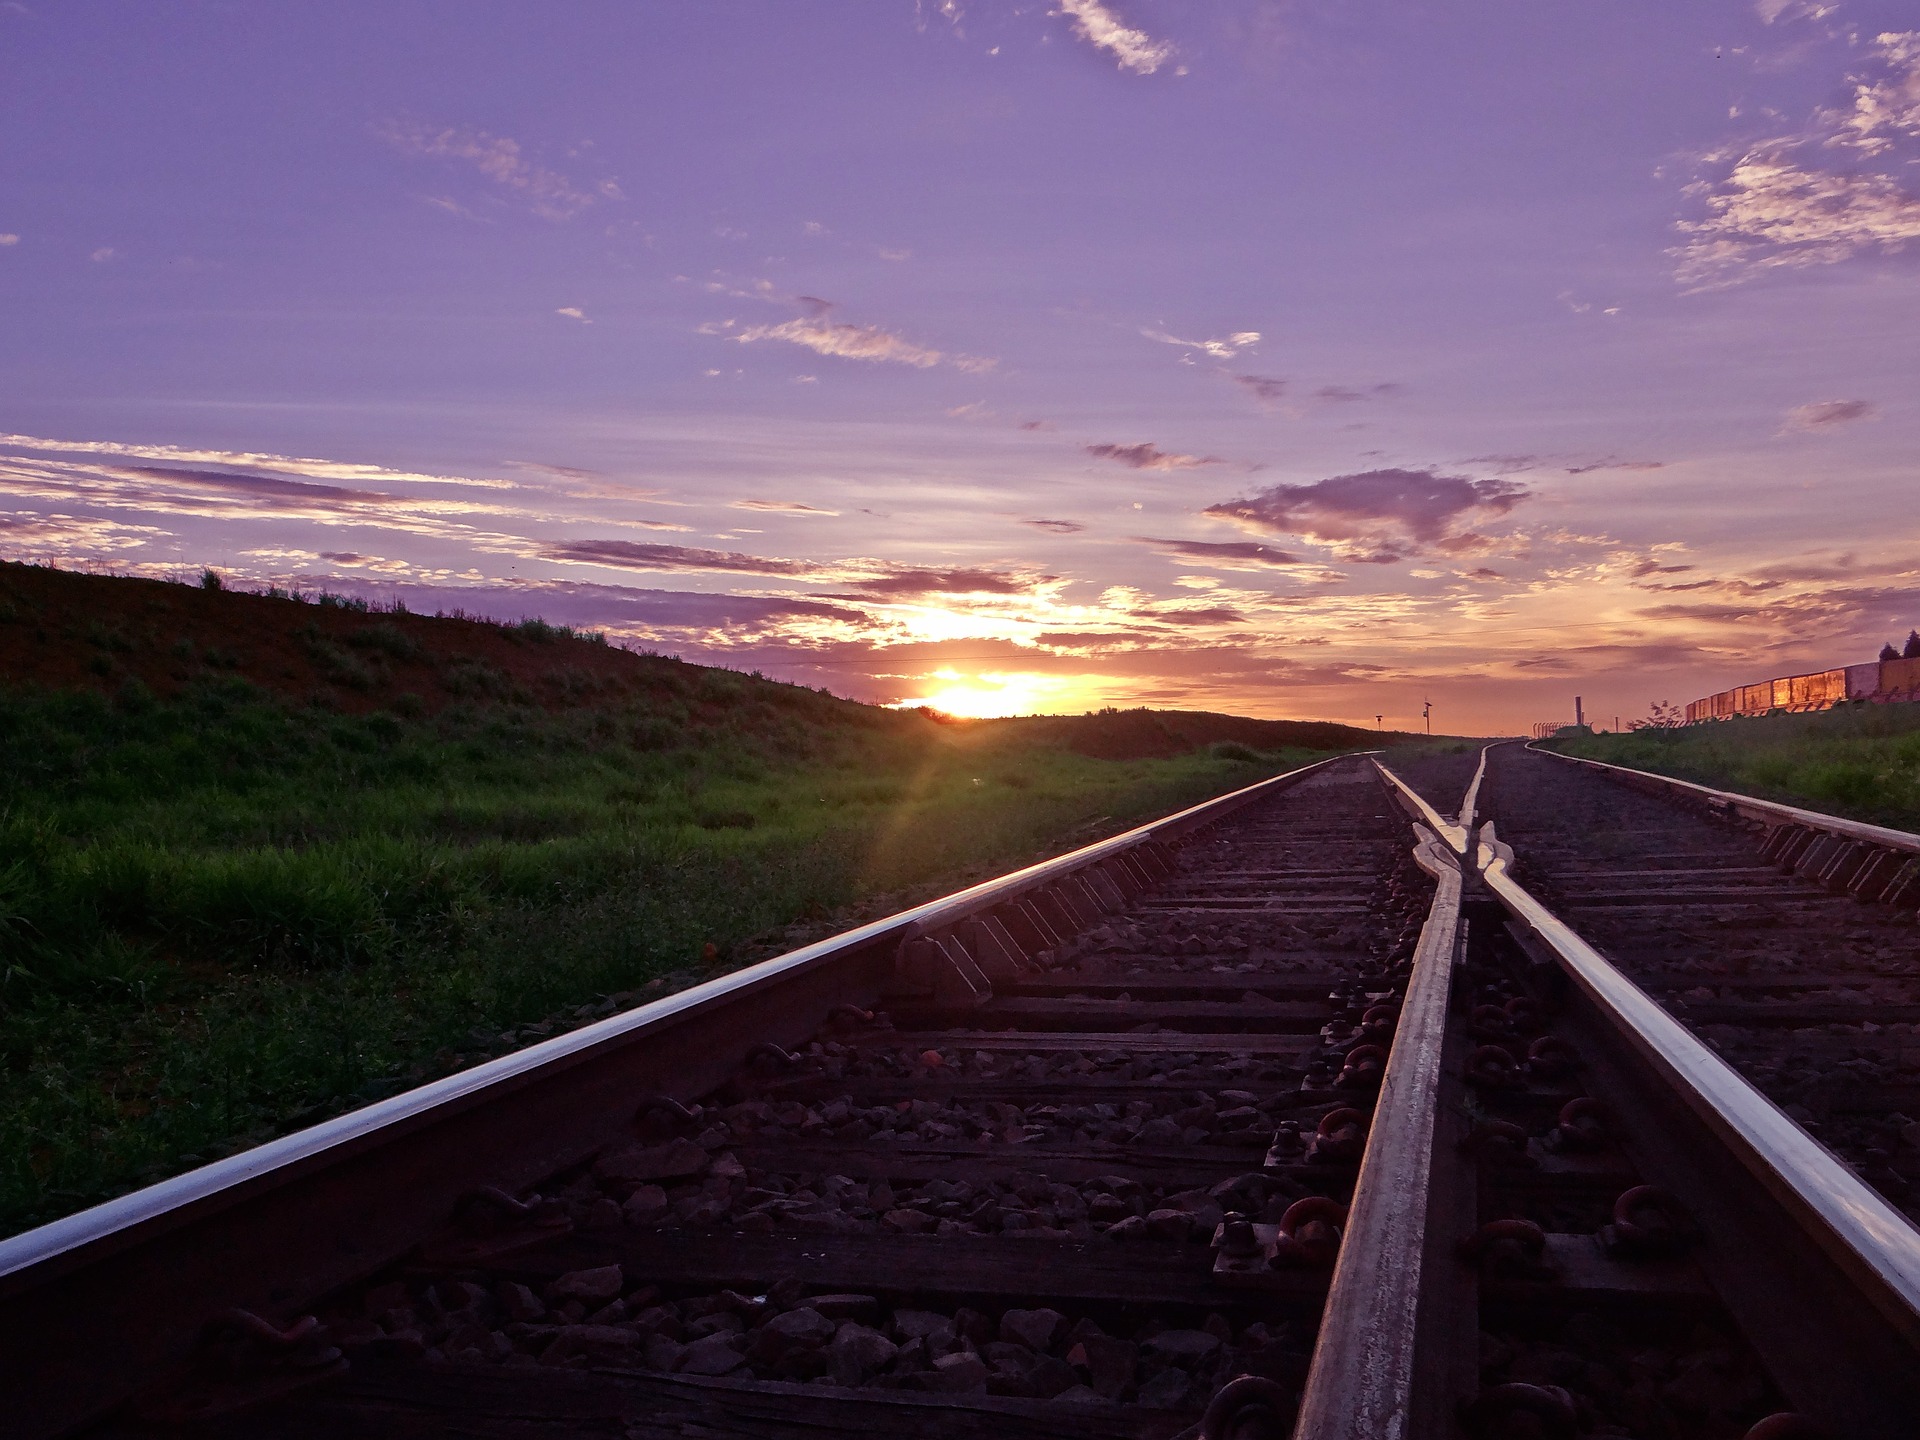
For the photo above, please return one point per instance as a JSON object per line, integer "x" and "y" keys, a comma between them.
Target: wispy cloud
{"x": 780, "y": 507}
{"x": 1224, "y": 348}
{"x": 547, "y": 192}
{"x": 1783, "y": 204}
{"x": 1587, "y": 467}
{"x": 248, "y": 459}
{"x": 1377, "y": 516}
{"x": 9, "y": 239}
{"x": 1056, "y": 527}
{"x": 843, "y": 340}
{"x": 1353, "y": 395}
{"x": 1222, "y": 554}
{"x": 1827, "y": 415}
{"x": 873, "y": 578}
{"x": 574, "y": 312}
{"x": 1267, "y": 389}
{"x": 1132, "y": 50}
{"x": 1145, "y": 456}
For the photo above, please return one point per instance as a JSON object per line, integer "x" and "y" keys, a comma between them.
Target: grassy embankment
{"x": 1861, "y": 761}
{"x": 225, "y": 913}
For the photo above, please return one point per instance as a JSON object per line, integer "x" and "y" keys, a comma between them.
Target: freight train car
{"x": 1881, "y": 682}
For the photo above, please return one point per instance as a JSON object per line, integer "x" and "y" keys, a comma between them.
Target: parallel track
{"x": 1023, "y": 1161}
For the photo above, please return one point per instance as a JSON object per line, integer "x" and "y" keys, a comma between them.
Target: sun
{"x": 993, "y": 696}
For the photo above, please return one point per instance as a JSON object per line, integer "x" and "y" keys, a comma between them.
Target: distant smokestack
{"x": 1579, "y": 715}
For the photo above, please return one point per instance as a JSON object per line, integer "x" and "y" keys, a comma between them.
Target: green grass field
{"x": 1861, "y": 761}
{"x": 228, "y": 914}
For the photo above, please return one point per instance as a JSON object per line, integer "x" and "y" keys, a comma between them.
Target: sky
{"x": 1294, "y": 358}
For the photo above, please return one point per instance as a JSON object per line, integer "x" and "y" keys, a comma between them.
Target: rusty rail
{"x": 1361, "y": 1384}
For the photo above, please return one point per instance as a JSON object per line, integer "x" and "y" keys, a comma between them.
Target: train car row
{"x": 1878, "y": 681}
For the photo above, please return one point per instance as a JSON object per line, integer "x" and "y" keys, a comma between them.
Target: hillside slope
{"x": 63, "y": 630}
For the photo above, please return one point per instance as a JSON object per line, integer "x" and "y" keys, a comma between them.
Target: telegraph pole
{"x": 1426, "y": 714}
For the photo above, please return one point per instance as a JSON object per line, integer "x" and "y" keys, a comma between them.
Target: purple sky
{"x": 1291, "y": 358}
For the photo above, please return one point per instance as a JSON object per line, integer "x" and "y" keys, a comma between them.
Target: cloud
{"x": 1264, "y": 388}
{"x": 1826, "y": 415}
{"x": 919, "y": 580}
{"x": 1587, "y": 467}
{"x": 9, "y": 239}
{"x": 1144, "y": 456}
{"x": 881, "y": 578}
{"x": 782, "y": 507}
{"x": 548, "y": 193}
{"x": 638, "y": 555}
{"x": 1783, "y": 204}
{"x": 1887, "y": 106}
{"x": 1133, "y": 50}
{"x": 103, "y": 255}
{"x": 574, "y": 312}
{"x": 1223, "y": 554}
{"x": 248, "y": 459}
{"x": 1348, "y": 395}
{"x": 1212, "y": 615}
{"x": 1377, "y": 516}
{"x": 1224, "y": 349}
{"x": 1057, "y": 527}
{"x": 845, "y": 342}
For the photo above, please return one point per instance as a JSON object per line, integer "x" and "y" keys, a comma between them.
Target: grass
{"x": 228, "y": 914}
{"x": 1858, "y": 760}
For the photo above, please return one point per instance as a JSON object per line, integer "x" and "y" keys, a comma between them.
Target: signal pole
{"x": 1379, "y": 721}
{"x": 1426, "y": 714}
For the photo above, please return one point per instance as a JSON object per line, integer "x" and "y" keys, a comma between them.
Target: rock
{"x": 959, "y": 1372}
{"x": 715, "y": 1355}
{"x": 845, "y": 1307}
{"x": 676, "y": 1160}
{"x": 918, "y": 1324}
{"x": 802, "y": 1329}
{"x": 646, "y": 1206}
{"x": 859, "y": 1352}
{"x": 1081, "y": 1395}
{"x": 517, "y": 1302}
{"x": 907, "y": 1222}
{"x": 588, "y": 1287}
{"x": 1051, "y": 1376}
{"x": 662, "y": 1352}
{"x": 602, "y": 1214}
{"x": 1131, "y": 1228}
{"x": 1109, "y": 1363}
{"x": 1174, "y": 1225}
{"x": 1161, "y": 1131}
{"x": 1166, "y": 1391}
{"x": 1038, "y": 1330}
{"x": 1185, "y": 1348}
{"x": 595, "y": 1342}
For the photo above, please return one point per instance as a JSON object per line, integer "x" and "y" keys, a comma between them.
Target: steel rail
{"x": 1771, "y": 812}
{"x": 1871, "y": 1242}
{"x": 1454, "y": 833}
{"x": 248, "y": 1229}
{"x": 1470, "y": 803}
{"x": 1360, "y": 1385}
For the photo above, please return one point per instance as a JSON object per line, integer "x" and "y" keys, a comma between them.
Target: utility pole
{"x": 1379, "y": 721}
{"x": 1426, "y": 714}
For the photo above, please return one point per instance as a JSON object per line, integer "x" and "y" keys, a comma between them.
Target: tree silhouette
{"x": 1887, "y": 652}
{"x": 1912, "y": 652}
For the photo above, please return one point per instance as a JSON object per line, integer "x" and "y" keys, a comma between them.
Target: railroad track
{"x": 1292, "y": 1110}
